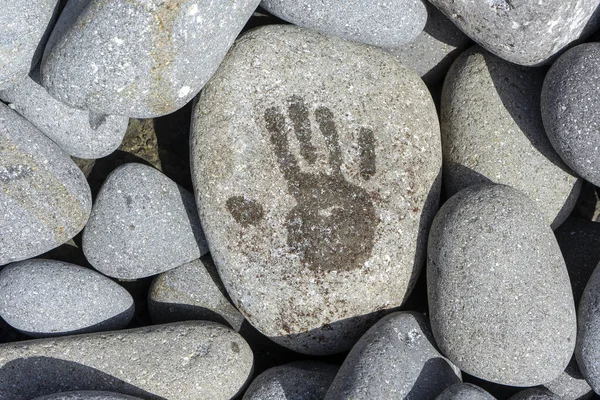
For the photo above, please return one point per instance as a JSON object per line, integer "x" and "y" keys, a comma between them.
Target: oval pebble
{"x": 142, "y": 224}
{"x": 570, "y": 385}
{"x": 500, "y": 300}
{"x": 535, "y": 394}
{"x": 182, "y": 361}
{"x": 569, "y": 103}
{"x": 300, "y": 380}
{"x": 492, "y": 131}
{"x": 396, "y": 359}
{"x": 588, "y": 335}
{"x": 464, "y": 391}
{"x": 49, "y": 298}
{"x": 44, "y": 197}
{"x": 87, "y": 395}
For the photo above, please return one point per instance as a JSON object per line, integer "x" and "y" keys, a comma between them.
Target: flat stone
{"x": 526, "y": 33}
{"x": 464, "y": 391}
{"x": 570, "y": 385}
{"x": 579, "y": 242}
{"x": 49, "y": 298}
{"x": 496, "y": 280}
{"x": 386, "y": 24}
{"x": 87, "y": 395}
{"x": 492, "y": 131}
{"x": 569, "y": 102}
{"x": 197, "y": 360}
{"x": 142, "y": 224}
{"x": 44, "y": 197}
{"x": 25, "y": 26}
{"x": 588, "y": 335}
{"x": 306, "y": 191}
{"x": 142, "y": 59}
{"x": 432, "y": 52}
{"x": 535, "y": 394}
{"x": 79, "y": 133}
{"x": 396, "y": 359}
{"x": 300, "y": 380}
{"x": 192, "y": 291}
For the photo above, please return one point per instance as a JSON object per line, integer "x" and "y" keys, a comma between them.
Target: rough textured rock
{"x": 579, "y": 242}
{"x": 395, "y": 359}
{"x": 570, "y": 385}
{"x": 24, "y": 29}
{"x": 492, "y": 131}
{"x": 500, "y": 302}
{"x": 300, "y": 380}
{"x": 464, "y": 391}
{"x": 523, "y": 32}
{"x": 315, "y": 198}
{"x": 432, "y": 52}
{"x": 79, "y": 133}
{"x": 588, "y": 334}
{"x": 183, "y": 361}
{"x": 87, "y": 395}
{"x": 142, "y": 224}
{"x": 44, "y": 197}
{"x": 386, "y": 24}
{"x": 569, "y": 102}
{"x": 192, "y": 291}
{"x": 140, "y": 59}
{"x": 49, "y": 298}
{"x": 535, "y": 394}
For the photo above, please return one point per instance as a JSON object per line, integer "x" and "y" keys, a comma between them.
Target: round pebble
{"x": 87, "y": 395}
{"x": 464, "y": 391}
{"x": 588, "y": 334}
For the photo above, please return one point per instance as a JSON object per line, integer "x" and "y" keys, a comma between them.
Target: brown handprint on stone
{"x": 332, "y": 226}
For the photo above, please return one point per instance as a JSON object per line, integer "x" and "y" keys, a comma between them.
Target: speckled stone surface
{"x": 464, "y": 391}
{"x": 49, "y": 298}
{"x": 569, "y": 104}
{"x": 588, "y": 334}
{"x": 300, "y": 380}
{"x": 395, "y": 359}
{"x": 523, "y": 32}
{"x": 192, "y": 291}
{"x": 432, "y": 52}
{"x": 579, "y": 242}
{"x": 500, "y": 301}
{"x": 535, "y": 394}
{"x": 24, "y": 26}
{"x": 492, "y": 131}
{"x": 79, "y": 133}
{"x": 316, "y": 165}
{"x": 183, "y": 361}
{"x": 44, "y": 197}
{"x": 141, "y": 59}
{"x": 387, "y": 23}
{"x": 570, "y": 385}
{"x": 87, "y": 395}
{"x": 142, "y": 224}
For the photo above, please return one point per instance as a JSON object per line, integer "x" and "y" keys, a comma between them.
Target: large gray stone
{"x": 142, "y": 224}
{"x": 432, "y": 52}
{"x": 183, "y": 361}
{"x": 316, "y": 166}
{"x": 588, "y": 335}
{"x": 464, "y": 391}
{"x": 141, "y": 59}
{"x": 569, "y": 103}
{"x": 386, "y": 24}
{"x": 523, "y": 32}
{"x": 49, "y": 298}
{"x": 500, "y": 301}
{"x": 192, "y": 291}
{"x": 79, "y": 133}
{"x": 492, "y": 131}
{"x": 535, "y": 394}
{"x": 570, "y": 385}
{"x": 44, "y": 197}
{"x": 24, "y": 26}
{"x": 87, "y": 395}
{"x": 300, "y": 380}
{"x": 396, "y": 359}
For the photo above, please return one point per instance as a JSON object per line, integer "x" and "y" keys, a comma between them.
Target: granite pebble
{"x": 142, "y": 224}
{"x": 44, "y": 197}
{"x": 500, "y": 301}
{"x": 87, "y": 395}
{"x": 570, "y": 385}
{"x": 587, "y": 351}
{"x": 535, "y": 394}
{"x": 315, "y": 198}
{"x": 464, "y": 391}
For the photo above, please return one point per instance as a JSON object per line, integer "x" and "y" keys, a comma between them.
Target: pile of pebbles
{"x": 299, "y": 199}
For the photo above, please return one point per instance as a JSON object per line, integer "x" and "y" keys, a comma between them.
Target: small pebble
{"x": 87, "y": 395}
{"x": 464, "y": 391}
